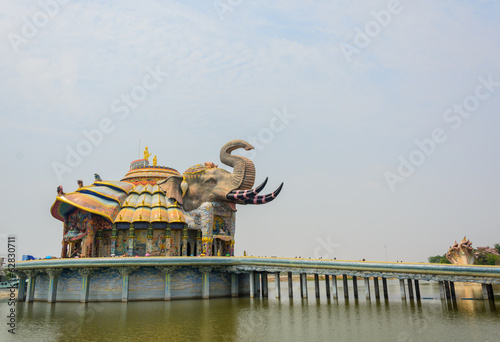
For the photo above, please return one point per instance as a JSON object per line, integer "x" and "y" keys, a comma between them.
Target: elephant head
{"x": 207, "y": 183}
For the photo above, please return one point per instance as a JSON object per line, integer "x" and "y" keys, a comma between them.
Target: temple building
{"x": 134, "y": 217}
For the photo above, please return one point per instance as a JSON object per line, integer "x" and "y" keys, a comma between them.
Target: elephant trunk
{"x": 244, "y": 169}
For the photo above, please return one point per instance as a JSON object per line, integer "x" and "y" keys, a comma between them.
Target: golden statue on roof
{"x": 146, "y": 154}
{"x": 155, "y": 161}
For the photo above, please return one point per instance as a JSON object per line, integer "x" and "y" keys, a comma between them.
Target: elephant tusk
{"x": 246, "y": 194}
{"x": 264, "y": 199}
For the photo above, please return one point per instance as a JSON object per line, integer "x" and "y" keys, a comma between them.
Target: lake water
{"x": 257, "y": 319}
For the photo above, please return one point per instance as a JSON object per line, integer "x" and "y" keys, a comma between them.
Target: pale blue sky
{"x": 226, "y": 78}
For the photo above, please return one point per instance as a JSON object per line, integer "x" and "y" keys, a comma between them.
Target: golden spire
{"x": 146, "y": 154}
{"x": 155, "y": 161}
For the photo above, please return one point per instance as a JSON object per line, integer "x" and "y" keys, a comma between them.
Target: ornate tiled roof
{"x": 149, "y": 204}
{"x": 137, "y": 198}
{"x": 103, "y": 198}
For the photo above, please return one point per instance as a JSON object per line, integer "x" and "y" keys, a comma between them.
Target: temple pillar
{"x": 22, "y": 286}
{"x": 355, "y": 286}
{"x": 64, "y": 249}
{"x": 53, "y": 277}
{"x": 167, "y": 272}
{"x": 403, "y": 289}
{"x": 234, "y": 285}
{"x": 168, "y": 241}
{"x": 277, "y": 284}
{"x": 252, "y": 284}
{"x": 199, "y": 243}
{"x": 327, "y": 286}
{"x": 335, "y": 291}
{"x": 303, "y": 285}
{"x": 410, "y": 289}
{"x": 125, "y": 272}
{"x": 386, "y": 290}
{"x": 264, "y": 284}
{"x": 205, "y": 281}
{"x": 184, "y": 242}
{"x": 131, "y": 239}
{"x": 149, "y": 239}
{"x": 290, "y": 285}
{"x": 98, "y": 248}
{"x": 346, "y": 286}
{"x": 376, "y": 287}
{"x": 30, "y": 291}
{"x": 316, "y": 285}
{"x": 367, "y": 288}
{"x": 114, "y": 237}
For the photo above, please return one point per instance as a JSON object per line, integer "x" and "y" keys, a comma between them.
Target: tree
{"x": 438, "y": 259}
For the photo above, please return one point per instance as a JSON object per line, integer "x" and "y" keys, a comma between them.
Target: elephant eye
{"x": 211, "y": 181}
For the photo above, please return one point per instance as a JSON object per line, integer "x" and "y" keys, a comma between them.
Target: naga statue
{"x": 461, "y": 253}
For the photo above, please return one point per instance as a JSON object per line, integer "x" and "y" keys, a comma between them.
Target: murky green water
{"x": 245, "y": 319}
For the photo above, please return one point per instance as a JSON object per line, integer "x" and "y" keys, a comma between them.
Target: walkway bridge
{"x": 108, "y": 279}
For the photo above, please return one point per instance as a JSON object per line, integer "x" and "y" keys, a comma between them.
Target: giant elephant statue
{"x": 206, "y": 183}
{"x": 208, "y": 195}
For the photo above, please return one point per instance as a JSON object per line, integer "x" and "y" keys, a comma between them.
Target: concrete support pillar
{"x": 125, "y": 272}
{"x": 290, "y": 285}
{"x": 376, "y": 287}
{"x": 84, "y": 291}
{"x": 327, "y": 286}
{"x": 53, "y": 278}
{"x": 265, "y": 289}
{"x": 452, "y": 291}
{"x": 441, "y": 290}
{"x": 167, "y": 272}
{"x": 335, "y": 290}
{"x": 417, "y": 289}
{"x": 410, "y": 288}
{"x": 403, "y": 289}
{"x": 277, "y": 284}
{"x": 234, "y": 285}
{"x": 30, "y": 291}
{"x": 22, "y": 286}
{"x": 316, "y": 285}
{"x": 491, "y": 294}
{"x": 386, "y": 290}
{"x": 447, "y": 290}
{"x": 367, "y": 288}
{"x": 303, "y": 285}
{"x": 205, "y": 281}
{"x": 346, "y": 286}
{"x": 258, "y": 291}
{"x": 485, "y": 291}
{"x": 355, "y": 286}
{"x": 252, "y": 284}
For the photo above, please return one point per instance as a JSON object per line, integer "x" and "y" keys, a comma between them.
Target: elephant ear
{"x": 172, "y": 188}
